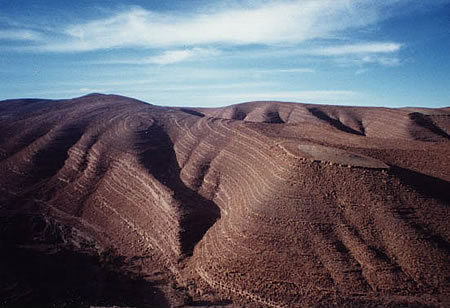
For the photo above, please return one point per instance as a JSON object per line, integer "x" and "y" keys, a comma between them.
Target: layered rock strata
{"x": 270, "y": 204}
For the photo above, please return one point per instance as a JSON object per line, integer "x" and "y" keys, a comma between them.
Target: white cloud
{"x": 89, "y": 90}
{"x": 283, "y": 25}
{"x": 168, "y": 57}
{"x": 381, "y": 53}
{"x": 173, "y": 56}
{"x": 360, "y": 48}
{"x": 289, "y": 70}
{"x": 20, "y": 35}
{"x": 386, "y": 61}
{"x": 363, "y": 60}
{"x": 271, "y": 23}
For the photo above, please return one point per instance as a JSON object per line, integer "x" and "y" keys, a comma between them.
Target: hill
{"x": 259, "y": 204}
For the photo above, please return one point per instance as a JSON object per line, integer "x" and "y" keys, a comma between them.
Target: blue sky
{"x": 392, "y": 53}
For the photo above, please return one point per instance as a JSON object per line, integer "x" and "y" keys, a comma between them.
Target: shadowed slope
{"x": 406, "y": 123}
{"x": 159, "y": 159}
{"x": 268, "y": 204}
{"x": 426, "y": 122}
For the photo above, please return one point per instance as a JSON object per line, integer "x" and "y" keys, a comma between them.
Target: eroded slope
{"x": 272, "y": 204}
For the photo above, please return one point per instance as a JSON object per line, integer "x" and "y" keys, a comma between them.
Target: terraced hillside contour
{"x": 262, "y": 204}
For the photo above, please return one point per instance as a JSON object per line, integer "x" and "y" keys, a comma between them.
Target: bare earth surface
{"x": 108, "y": 201}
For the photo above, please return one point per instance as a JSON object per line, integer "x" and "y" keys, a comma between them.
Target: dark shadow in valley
{"x": 192, "y": 112}
{"x": 427, "y": 185}
{"x": 238, "y": 114}
{"x": 198, "y": 214}
{"x": 425, "y": 122}
{"x": 272, "y": 117}
{"x": 434, "y": 238}
{"x": 333, "y": 122}
{"x": 51, "y": 158}
{"x": 38, "y": 269}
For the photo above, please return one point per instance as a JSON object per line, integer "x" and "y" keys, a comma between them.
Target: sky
{"x": 208, "y": 53}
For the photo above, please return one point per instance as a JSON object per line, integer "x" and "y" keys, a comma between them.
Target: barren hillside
{"x": 256, "y": 204}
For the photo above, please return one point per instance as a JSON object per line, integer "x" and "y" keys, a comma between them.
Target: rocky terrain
{"x": 110, "y": 201}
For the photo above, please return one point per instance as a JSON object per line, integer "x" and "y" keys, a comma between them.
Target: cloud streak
{"x": 271, "y": 23}
{"x": 20, "y": 35}
{"x": 168, "y": 57}
{"x": 196, "y": 36}
{"x": 174, "y": 56}
{"x": 288, "y": 70}
{"x": 381, "y": 53}
{"x": 357, "y": 49}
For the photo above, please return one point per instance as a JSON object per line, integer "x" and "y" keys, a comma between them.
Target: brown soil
{"x": 108, "y": 201}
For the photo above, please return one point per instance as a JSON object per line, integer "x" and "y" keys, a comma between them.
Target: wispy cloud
{"x": 386, "y": 61}
{"x": 289, "y": 70}
{"x": 90, "y": 90}
{"x": 359, "y": 54}
{"x": 358, "y": 49}
{"x": 174, "y": 56}
{"x": 270, "y": 23}
{"x": 194, "y": 36}
{"x": 20, "y": 35}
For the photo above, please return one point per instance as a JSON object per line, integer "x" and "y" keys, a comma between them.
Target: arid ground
{"x": 109, "y": 201}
